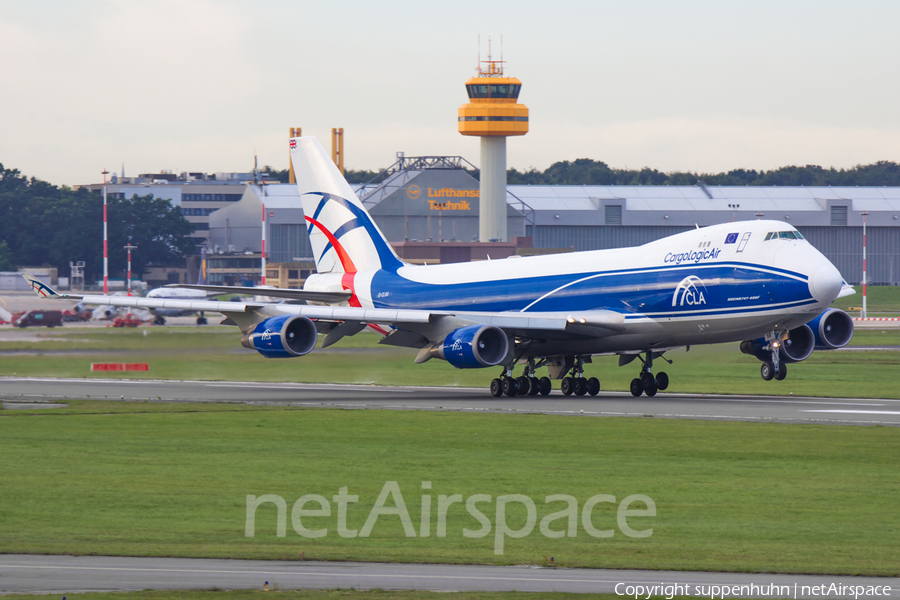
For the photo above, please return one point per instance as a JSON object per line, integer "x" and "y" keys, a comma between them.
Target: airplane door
{"x": 743, "y": 243}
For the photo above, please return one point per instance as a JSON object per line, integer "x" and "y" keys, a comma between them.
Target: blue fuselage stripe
{"x": 664, "y": 291}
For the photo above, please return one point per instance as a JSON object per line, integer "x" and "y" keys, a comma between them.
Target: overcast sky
{"x": 200, "y": 85}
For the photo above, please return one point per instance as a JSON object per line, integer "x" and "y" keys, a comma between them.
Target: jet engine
{"x": 473, "y": 347}
{"x": 284, "y": 336}
{"x": 797, "y": 347}
{"x": 833, "y": 329}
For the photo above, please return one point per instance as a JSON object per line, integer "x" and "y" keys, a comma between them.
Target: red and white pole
{"x": 129, "y": 247}
{"x": 864, "y": 265}
{"x": 105, "y": 249}
{"x": 263, "y": 260}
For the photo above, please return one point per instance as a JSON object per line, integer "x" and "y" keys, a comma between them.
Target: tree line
{"x": 45, "y": 225}
{"x": 586, "y": 171}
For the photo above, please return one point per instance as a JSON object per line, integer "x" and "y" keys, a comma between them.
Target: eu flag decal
{"x": 731, "y": 238}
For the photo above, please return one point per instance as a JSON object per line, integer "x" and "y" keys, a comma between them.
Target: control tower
{"x": 493, "y": 113}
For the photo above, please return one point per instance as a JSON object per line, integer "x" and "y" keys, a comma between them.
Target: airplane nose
{"x": 825, "y": 283}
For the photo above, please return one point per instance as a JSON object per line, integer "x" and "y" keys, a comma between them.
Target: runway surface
{"x": 69, "y": 574}
{"x": 838, "y": 411}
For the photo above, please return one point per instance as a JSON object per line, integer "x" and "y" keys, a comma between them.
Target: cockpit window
{"x": 784, "y": 235}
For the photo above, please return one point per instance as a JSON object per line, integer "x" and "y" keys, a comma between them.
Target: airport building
{"x": 429, "y": 207}
{"x": 197, "y": 194}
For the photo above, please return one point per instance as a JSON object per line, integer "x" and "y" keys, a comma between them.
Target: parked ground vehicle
{"x": 40, "y": 318}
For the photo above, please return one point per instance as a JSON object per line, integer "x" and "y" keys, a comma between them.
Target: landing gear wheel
{"x": 521, "y": 386}
{"x": 662, "y": 381}
{"x": 593, "y": 386}
{"x": 651, "y": 391}
{"x": 647, "y": 380}
{"x": 581, "y": 386}
{"x": 159, "y": 321}
{"x": 496, "y": 388}
{"x": 568, "y": 386}
{"x": 509, "y": 386}
{"x": 767, "y": 370}
{"x": 637, "y": 388}
{"x": 534, "y": 386}
{"x": 201, "y": 321}
{"x": 781, "y": 373}
{"x": 546, "y": 386}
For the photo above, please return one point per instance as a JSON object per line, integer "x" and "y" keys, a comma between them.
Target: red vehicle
{"x": 40, "y": 318}
{"x": 128, "y": 320}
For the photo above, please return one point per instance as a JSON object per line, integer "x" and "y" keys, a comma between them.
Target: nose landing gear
{"x": 774, "y": 368}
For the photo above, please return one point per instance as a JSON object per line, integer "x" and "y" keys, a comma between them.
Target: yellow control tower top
{"x": 493, "y": 108}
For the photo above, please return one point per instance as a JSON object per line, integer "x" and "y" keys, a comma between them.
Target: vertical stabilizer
{"x": 343, "y": 236}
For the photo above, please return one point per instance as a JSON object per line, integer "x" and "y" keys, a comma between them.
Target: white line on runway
{"x": 314, "y": 574}
{"x": 860, "y": 412}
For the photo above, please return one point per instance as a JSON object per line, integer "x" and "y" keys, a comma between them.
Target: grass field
{"x": 214, "y": 353}
{"x": 172, "y": 480}
{"x": 309, "y": 595}
{"x": 881, "y": 300}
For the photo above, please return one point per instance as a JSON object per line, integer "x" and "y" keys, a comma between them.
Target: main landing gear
{"x": 526, "y": 385}
{"x": 646, "y": 383}
{"x": 530, "y": 385}
{"x": 577, "y": 384}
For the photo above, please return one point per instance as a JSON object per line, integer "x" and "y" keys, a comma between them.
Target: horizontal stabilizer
{"x": 308, "y": 295}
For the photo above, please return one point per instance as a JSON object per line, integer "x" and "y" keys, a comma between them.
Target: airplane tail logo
{"x": 40, "y": 288}
{"x": 343, "y": 236}
{"x": 690, "y": 292}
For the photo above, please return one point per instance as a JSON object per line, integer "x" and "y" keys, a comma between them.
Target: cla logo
{"x": 456, "y": 347}
{"x": 265, "y": 336}
{"x": 413, "y": 191}
{"x": 690, "y": 291}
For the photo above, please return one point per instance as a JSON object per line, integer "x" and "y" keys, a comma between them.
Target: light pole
{"x": 864, "y": 214}
{"x": 129, "y": 247}
{"x": 733, "y": 208}
{"x": 262, "y": 279}
{"x": 105, "y": 254}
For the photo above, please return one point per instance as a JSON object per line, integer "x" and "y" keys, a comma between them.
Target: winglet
{"x": 40, "y": 288}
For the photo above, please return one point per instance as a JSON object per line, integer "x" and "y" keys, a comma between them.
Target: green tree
{"x": 6, "y": 263}
{"x": 155, "y": 226}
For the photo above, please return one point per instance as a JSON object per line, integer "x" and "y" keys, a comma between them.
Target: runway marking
{"x": 316, "y": 574}
{"x": 860, "y": 412}
{"x": 727, "y": 580}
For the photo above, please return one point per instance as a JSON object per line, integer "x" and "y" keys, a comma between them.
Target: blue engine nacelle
{"x": 474, "y": 347}
{"x": 832, "y": 329}
{"x": 797, "y": 347}
{"x": 284, "y": 336}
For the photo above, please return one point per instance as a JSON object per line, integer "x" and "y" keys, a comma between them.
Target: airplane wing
{"x": 413, "y": 328}
{"x": 311, "y": 296}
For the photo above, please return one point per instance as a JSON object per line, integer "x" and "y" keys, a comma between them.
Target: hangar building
{"x": 435, "y": 199}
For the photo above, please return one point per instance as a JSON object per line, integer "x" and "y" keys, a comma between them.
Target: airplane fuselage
{"x": 721, "y": 283}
